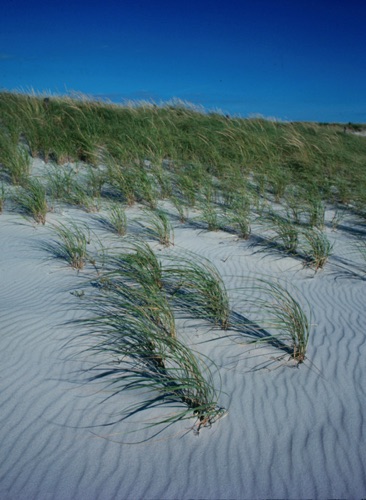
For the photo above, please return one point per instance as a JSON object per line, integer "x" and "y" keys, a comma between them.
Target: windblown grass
{"x": 72, "y": 243}
{"x": 196, "y": 285}
{"x": 14, "y": 159}
{"x": 317, "y": 247}
{"x": 143, "y": 357}
{"x": 31, "y": 199}
{"x": 2, "y": 197}
{"x": 137, "y": 264}
{"x": 276, "y": 309}
{"x": 117, "y": 219}
{"x": 286, "y": 232}
{"x": 158, "y": 226}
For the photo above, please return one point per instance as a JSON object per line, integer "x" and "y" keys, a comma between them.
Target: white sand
{"x": 290, "y": 433}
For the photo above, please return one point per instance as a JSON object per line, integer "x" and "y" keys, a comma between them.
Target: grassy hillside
{"x": 276, "y": 157}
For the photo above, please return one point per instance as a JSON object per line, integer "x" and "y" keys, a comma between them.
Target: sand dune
{"x": 290, "y": 432}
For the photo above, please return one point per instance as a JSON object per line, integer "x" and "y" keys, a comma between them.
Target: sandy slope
{"x": 290, "y": 433}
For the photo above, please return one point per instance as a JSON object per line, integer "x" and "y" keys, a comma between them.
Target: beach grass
{"x": 136, "y": 264}
{"x": 157, "y": 225}
{"x": 145, "y": 355}
{"x": 317, "y": 247}
{"x": 72, "y": 243}
{"x": 116, "y": 219}
{"x": 32, "y": 201}
{"x": 3, "y": 194}
{"x": 286, "y": 232}
{"x": 276, "y": 317}
{"x": 196, "y": 286}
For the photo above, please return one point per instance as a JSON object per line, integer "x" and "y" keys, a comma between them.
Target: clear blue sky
{"x": 289, "y": 59}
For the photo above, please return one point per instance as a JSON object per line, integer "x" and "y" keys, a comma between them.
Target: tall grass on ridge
{"x": 313, "y": 157}
{"x": 14, "y": 159}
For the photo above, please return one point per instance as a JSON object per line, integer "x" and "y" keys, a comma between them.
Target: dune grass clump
{"x": 158, "y": 226}
{"x": 142, "y": 356}
{"x": 238, "y": 216}
{"x": 286, "y": 232}
{"x": 73, "y": 240}
{"x": 276, "y": 309}
{"x": 211, "y": 216}
{"x": 196, "y": 286}
{"x": 63, "y": 185}
{"x": 138, "y": 264}
{"x": 133, "y": 182}
{"x": 138, "y": 273}
{"x": 14, "y": 159}
{"x": 317, "y": 247}
{"x": 2, "y": 197}
{"x": 116, "y": 219}
{"x": 181, "y": 208}
{"x": 32, "y": 200}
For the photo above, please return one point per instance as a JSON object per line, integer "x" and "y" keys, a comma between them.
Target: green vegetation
{"x": 286, "y": 233}
{"x": 317, "y": 247}
{"x": 157, "y": 225}
{"x": 117, "y": 220}
{"x": 143, "y": 357}
{"x": 2, "y": 197}
{"x": 319, "y": 159}
{"x": 232, "y": 174}
{"x": 273, "y": 308}
{"x": 135, "y": 325}
{"x": 197, "y": 287}
{"x": 31, "y": 199}
{"x": 72, "y": 243}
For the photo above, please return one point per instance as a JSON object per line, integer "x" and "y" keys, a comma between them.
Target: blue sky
{"x": 289, "y": 59}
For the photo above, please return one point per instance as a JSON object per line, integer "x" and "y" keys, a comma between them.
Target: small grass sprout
{"x": 238, "y": 216}
{"x": 211, "y": 216}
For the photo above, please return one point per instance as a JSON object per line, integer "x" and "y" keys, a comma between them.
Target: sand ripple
{"x": 290, "y": 433}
